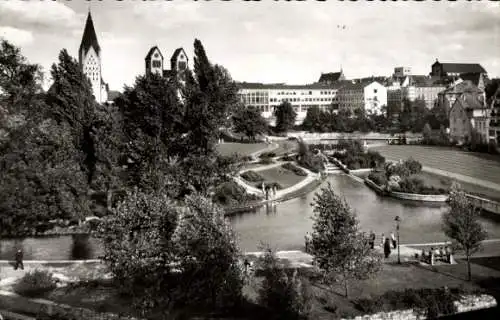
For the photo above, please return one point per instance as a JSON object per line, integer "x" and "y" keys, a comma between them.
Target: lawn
{"x": 242, "y": 149}
{"x": 480, "y": 166}
{"x": 284, "y": 177}
{"x": 438, "y": 181}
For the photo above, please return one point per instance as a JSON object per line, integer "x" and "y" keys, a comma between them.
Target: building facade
{"x": 454, "y": 70}
{"x": 495, "y": 119}
{"x": 179, "y": 63}
{"x": 368, "y": 96}
{"x": 469, "y": 116}
{"x": 447, "y": 97}
{"x": 400, "y": 72}
{"x": 89, "y": 58}
{"x": 266, "y": 97}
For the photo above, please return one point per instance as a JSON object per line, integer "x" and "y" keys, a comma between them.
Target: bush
{"x": 311, "y": 162}
{"x": 252, "y": 176}
{"x": 413, "y": 166}
{"x": 269, "y": 154}
{"x": 288, "y": 296}
{"x": 431, "y": 303}
{"x": 231, "y": 193}
{"x": 378, "y": 177}
{"x": 35, "y": 284}
{"x": 266, "y": 161}
{"x": 287, "y": 157}
{"x": 291, "y": 167}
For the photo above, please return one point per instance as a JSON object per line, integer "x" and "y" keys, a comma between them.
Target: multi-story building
{"x": 368, "y": 96}
{"x": 447, "y": 97}
{"x": 454, "y": 70}
{"x": 495, "y": 118}
{"x": 424, "y": 88}
{"x": 468, "y": 116}
{"x": 266, "y": 97}
{"x": 89, "y": 58}
{"x": 400, "y": 72}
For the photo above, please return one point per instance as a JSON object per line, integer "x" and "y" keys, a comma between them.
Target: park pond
{"x": 283, "y": 226}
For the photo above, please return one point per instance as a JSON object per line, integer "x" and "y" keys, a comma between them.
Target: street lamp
{"x": 398, "y": 220}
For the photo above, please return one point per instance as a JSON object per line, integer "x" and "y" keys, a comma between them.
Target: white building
{"x": 402, "y": 72}
{"x": 369, "y": 96}
{"x": 89, "y": 57}
{"x": 266, "y": 97}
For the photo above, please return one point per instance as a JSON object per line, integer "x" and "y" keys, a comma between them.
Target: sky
{"x": 267, "y": 41}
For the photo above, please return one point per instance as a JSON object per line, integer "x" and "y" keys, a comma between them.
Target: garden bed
{"x": 284, "y": 177}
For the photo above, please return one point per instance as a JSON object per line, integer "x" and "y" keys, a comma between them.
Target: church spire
{"x": 89, "y": 38}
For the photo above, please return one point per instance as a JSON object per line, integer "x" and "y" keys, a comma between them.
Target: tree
{"x": 286, "y": 295}
{"x": 313, "y": 119}
{"x": 461, "y": 224}
{"x": 338, "y": 247}
{"x": 285, "y": 116}
{"x": 491, "y": 88}
{"x": 209, "y": 96}
{"x": 427, "y": 134}
{"x": 19, "y": 80}
{"x": 167, "y": 256}
{"x": 250, "y": 122}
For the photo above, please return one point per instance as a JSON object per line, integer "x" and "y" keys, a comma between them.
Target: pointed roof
{"x": 177, "y": 52}
{"x": 89, "y": 38}
{"x": 151, "y": 51}
{"x": 330, "y": 76}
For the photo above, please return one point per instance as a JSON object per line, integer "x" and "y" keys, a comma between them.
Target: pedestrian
{"x": 274, "y": 191}
{"x": 372, "y": 239}
{"x": 19, "y": 260}
{"x": 382, "y": 240}
{"x": 387, "y": 248}
{"x": 246, "y": 263}
{"x": 394, "y": 242}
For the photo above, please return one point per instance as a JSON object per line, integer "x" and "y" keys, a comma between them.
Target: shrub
{"x": 413, "y": 166}
{"x": 311, "y": 162}
{"x": 288, "y": 296}
{"x": 252, "y": 176}
{"x": 378, "y": 177}
{"x": 429, "y": 302}
{"x": 269, "y": 154}
{"x": 266, "y": 161}
{"x": 35, "y": 284}
{"x": 287, "y": 157}
{"x": 291, "y": 167}
{"x": 231, "y": 193}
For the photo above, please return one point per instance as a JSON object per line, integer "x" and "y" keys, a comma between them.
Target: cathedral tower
{"x": 89, "y": 57}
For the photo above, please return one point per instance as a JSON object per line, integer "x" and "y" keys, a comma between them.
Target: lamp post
{"x": 398, "y": 220}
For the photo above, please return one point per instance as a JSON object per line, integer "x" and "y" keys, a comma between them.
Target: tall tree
{"x": 461, "y": 224}
{"x": 313, "y": 119}
{"x": 71, "y": 101}
{"x": 285, "y": 116}
{"x": 249, "y": 121}
{"x": 210, "y": 94}
{"x": 339, "y": 249}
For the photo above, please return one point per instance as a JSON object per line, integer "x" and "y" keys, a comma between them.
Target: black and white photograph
{"x": 241, "y": 160}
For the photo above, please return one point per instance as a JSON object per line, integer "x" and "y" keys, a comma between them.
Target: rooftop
{"x": 89, "y": 38}
{"x": 462, "y": 67}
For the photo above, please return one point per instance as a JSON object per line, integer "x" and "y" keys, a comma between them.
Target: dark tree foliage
{"x": 491, "y": 88}
{"x": 285, "y": 116}
{"x": 249, "y": 121}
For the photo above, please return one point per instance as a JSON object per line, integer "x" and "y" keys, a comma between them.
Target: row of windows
{"x": 303, "y": 99}
{"x": 301, "y": 108}
{"x": 294, "y": 93}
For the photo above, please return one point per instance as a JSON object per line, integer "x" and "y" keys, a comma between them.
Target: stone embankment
{"x": 466, "y": 304}
{"x": 406, "y": 196}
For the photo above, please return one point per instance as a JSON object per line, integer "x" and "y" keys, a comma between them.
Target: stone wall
{"x": 468, "y": 303}
{"x": 485, "y": 204}
{"x": 419, "y": 197}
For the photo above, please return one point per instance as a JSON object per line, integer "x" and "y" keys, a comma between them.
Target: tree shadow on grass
{"x": 488, "y": 262}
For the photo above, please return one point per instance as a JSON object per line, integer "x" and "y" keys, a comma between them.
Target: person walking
{"x": 387, "y": 248}
{"x": 19, "y": 260}
{"x": 382, "y": 240}
{"x": 394, "y": 242}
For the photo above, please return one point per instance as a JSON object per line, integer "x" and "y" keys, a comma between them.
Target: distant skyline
{"x": 266, "y": 41}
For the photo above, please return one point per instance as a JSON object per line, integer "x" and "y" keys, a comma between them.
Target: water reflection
{"x": 281, "y": 225}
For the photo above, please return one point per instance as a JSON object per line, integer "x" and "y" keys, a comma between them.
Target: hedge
{"x": 291, "y": 167}
{"x": 252, "y": 176}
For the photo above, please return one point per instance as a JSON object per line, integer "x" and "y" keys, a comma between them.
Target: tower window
{"x": 156, "y": 64}
{"x": 182, "y": 65}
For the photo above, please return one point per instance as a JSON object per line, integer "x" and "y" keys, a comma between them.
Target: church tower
{"x": 89, "y": 57}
